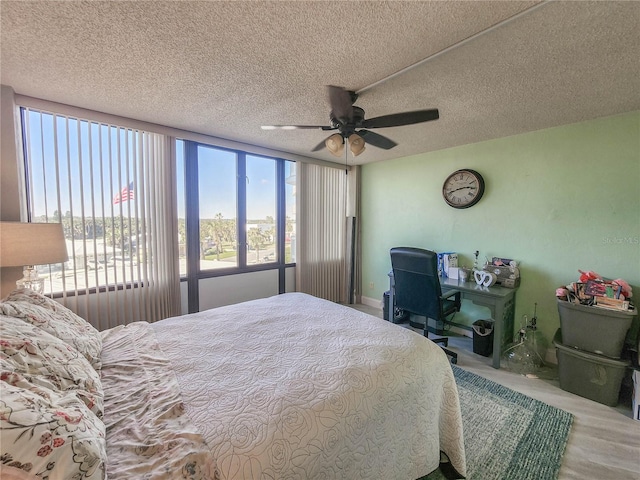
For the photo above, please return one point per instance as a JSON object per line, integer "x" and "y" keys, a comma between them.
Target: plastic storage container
{"x": 483, "y": 337}
{"x": 589, "y": 375}
{"x": 594, "y": 329}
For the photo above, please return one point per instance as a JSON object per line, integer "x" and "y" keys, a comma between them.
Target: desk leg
{"x": 504, "y": 319}
{"x": 498, "y": 320}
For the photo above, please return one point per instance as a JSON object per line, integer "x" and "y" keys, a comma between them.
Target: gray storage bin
{"x": 589, "y": 375}
{"x": 594, "y": 329}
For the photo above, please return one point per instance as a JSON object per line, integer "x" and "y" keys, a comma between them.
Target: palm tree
{"x": 220, "y": 233}
{"x": 207, "y": 231}
{"x": 256, "y": 239}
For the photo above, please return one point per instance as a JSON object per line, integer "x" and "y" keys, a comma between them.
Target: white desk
{"x": 501, "y": 302}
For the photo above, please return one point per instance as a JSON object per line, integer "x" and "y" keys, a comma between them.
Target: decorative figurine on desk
{"x": 485, "y": 279}
{"x": 482, "y": 278}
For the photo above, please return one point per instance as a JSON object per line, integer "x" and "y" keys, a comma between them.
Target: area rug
{"x": 508, "y": 435}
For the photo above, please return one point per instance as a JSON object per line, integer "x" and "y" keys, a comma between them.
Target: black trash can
{"x": 483, "y": 337}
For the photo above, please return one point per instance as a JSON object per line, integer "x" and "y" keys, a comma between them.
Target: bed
{"x": 287, "y": 387}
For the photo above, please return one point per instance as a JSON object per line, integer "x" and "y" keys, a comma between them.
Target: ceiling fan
{"x": 352, "y": 126}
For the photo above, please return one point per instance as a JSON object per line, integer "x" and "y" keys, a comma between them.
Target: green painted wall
{"x": 556, "y": 200}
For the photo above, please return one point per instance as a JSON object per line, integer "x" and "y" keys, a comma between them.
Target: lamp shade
{"x": 31, "y": 244}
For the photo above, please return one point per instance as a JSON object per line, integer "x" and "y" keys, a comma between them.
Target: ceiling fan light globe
{"x": 335, "y": 144}
{"x": 356, "y": 144}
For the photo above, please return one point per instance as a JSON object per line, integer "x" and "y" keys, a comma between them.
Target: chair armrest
{"x": 455, "y": 293}
{"x": 451, "y": 293}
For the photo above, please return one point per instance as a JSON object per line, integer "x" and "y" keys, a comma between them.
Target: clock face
{"x": 463, "y": 188}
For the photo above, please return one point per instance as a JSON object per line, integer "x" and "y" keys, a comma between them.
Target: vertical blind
{"x": 113, "y": 189}
{"x": 321, "y": 231}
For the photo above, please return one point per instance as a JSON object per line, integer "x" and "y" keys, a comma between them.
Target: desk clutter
{"x": 500, "y": 271}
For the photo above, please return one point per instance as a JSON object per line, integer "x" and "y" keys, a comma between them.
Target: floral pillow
{"x": 56, "y": 319}
{"x": 47, "y": 434}
{"x": 47, "y": 361}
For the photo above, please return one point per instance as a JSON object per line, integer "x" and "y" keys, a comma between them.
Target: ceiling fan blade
{"x": 320, "y": 146}
{"x": 341, "y": 102}
{"x": 296, "y": 127}
{"x": 399, "y": 119}
{"x": 376, "y": 139}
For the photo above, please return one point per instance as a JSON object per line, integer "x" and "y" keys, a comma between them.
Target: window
{"x": 217, "y": 173}
{"x": 290, "y": 211}
{"x": 105, "y": 183}
{"x": 260, "y": 226}
{"x": 244, "y": 209}
{"x": 95, "y": 179}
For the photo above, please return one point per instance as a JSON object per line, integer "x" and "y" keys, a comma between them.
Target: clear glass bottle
{"x": 523, "y": 356}
{"x": 536, "y": 339}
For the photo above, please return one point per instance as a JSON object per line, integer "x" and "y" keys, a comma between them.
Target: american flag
{"x": 125, "y": 194}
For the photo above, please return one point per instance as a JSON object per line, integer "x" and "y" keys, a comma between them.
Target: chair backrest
{"x": 417, "y": 287}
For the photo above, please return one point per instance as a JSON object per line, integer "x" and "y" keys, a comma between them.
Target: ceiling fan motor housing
{"x": 348, "y": 127}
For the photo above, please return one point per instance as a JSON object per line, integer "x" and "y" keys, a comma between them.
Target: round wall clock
{"x": 463, "y": 188}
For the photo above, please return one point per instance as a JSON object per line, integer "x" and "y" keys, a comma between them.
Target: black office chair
{"x": 417, "y": 289}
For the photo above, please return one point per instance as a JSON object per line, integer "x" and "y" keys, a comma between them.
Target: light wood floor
{"x": 604, "y": 442}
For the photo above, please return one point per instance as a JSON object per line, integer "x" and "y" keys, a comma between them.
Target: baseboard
{"x": 458, "y": 330}
{"x": 371, "y": 302}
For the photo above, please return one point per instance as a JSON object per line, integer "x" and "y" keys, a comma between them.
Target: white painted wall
{"x": 220, "y": 291}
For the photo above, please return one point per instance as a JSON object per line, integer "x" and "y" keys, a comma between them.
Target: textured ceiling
{"x": 226, "y": 68}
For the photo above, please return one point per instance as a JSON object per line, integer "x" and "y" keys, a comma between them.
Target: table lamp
{"x": 30, "y": 244}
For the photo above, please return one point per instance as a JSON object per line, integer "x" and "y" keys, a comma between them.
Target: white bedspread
{"x": 294, "y": 387}
{"x": 148, "y": 434}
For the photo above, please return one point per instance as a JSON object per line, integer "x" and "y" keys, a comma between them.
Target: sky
{"x": 217, "y": 185}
